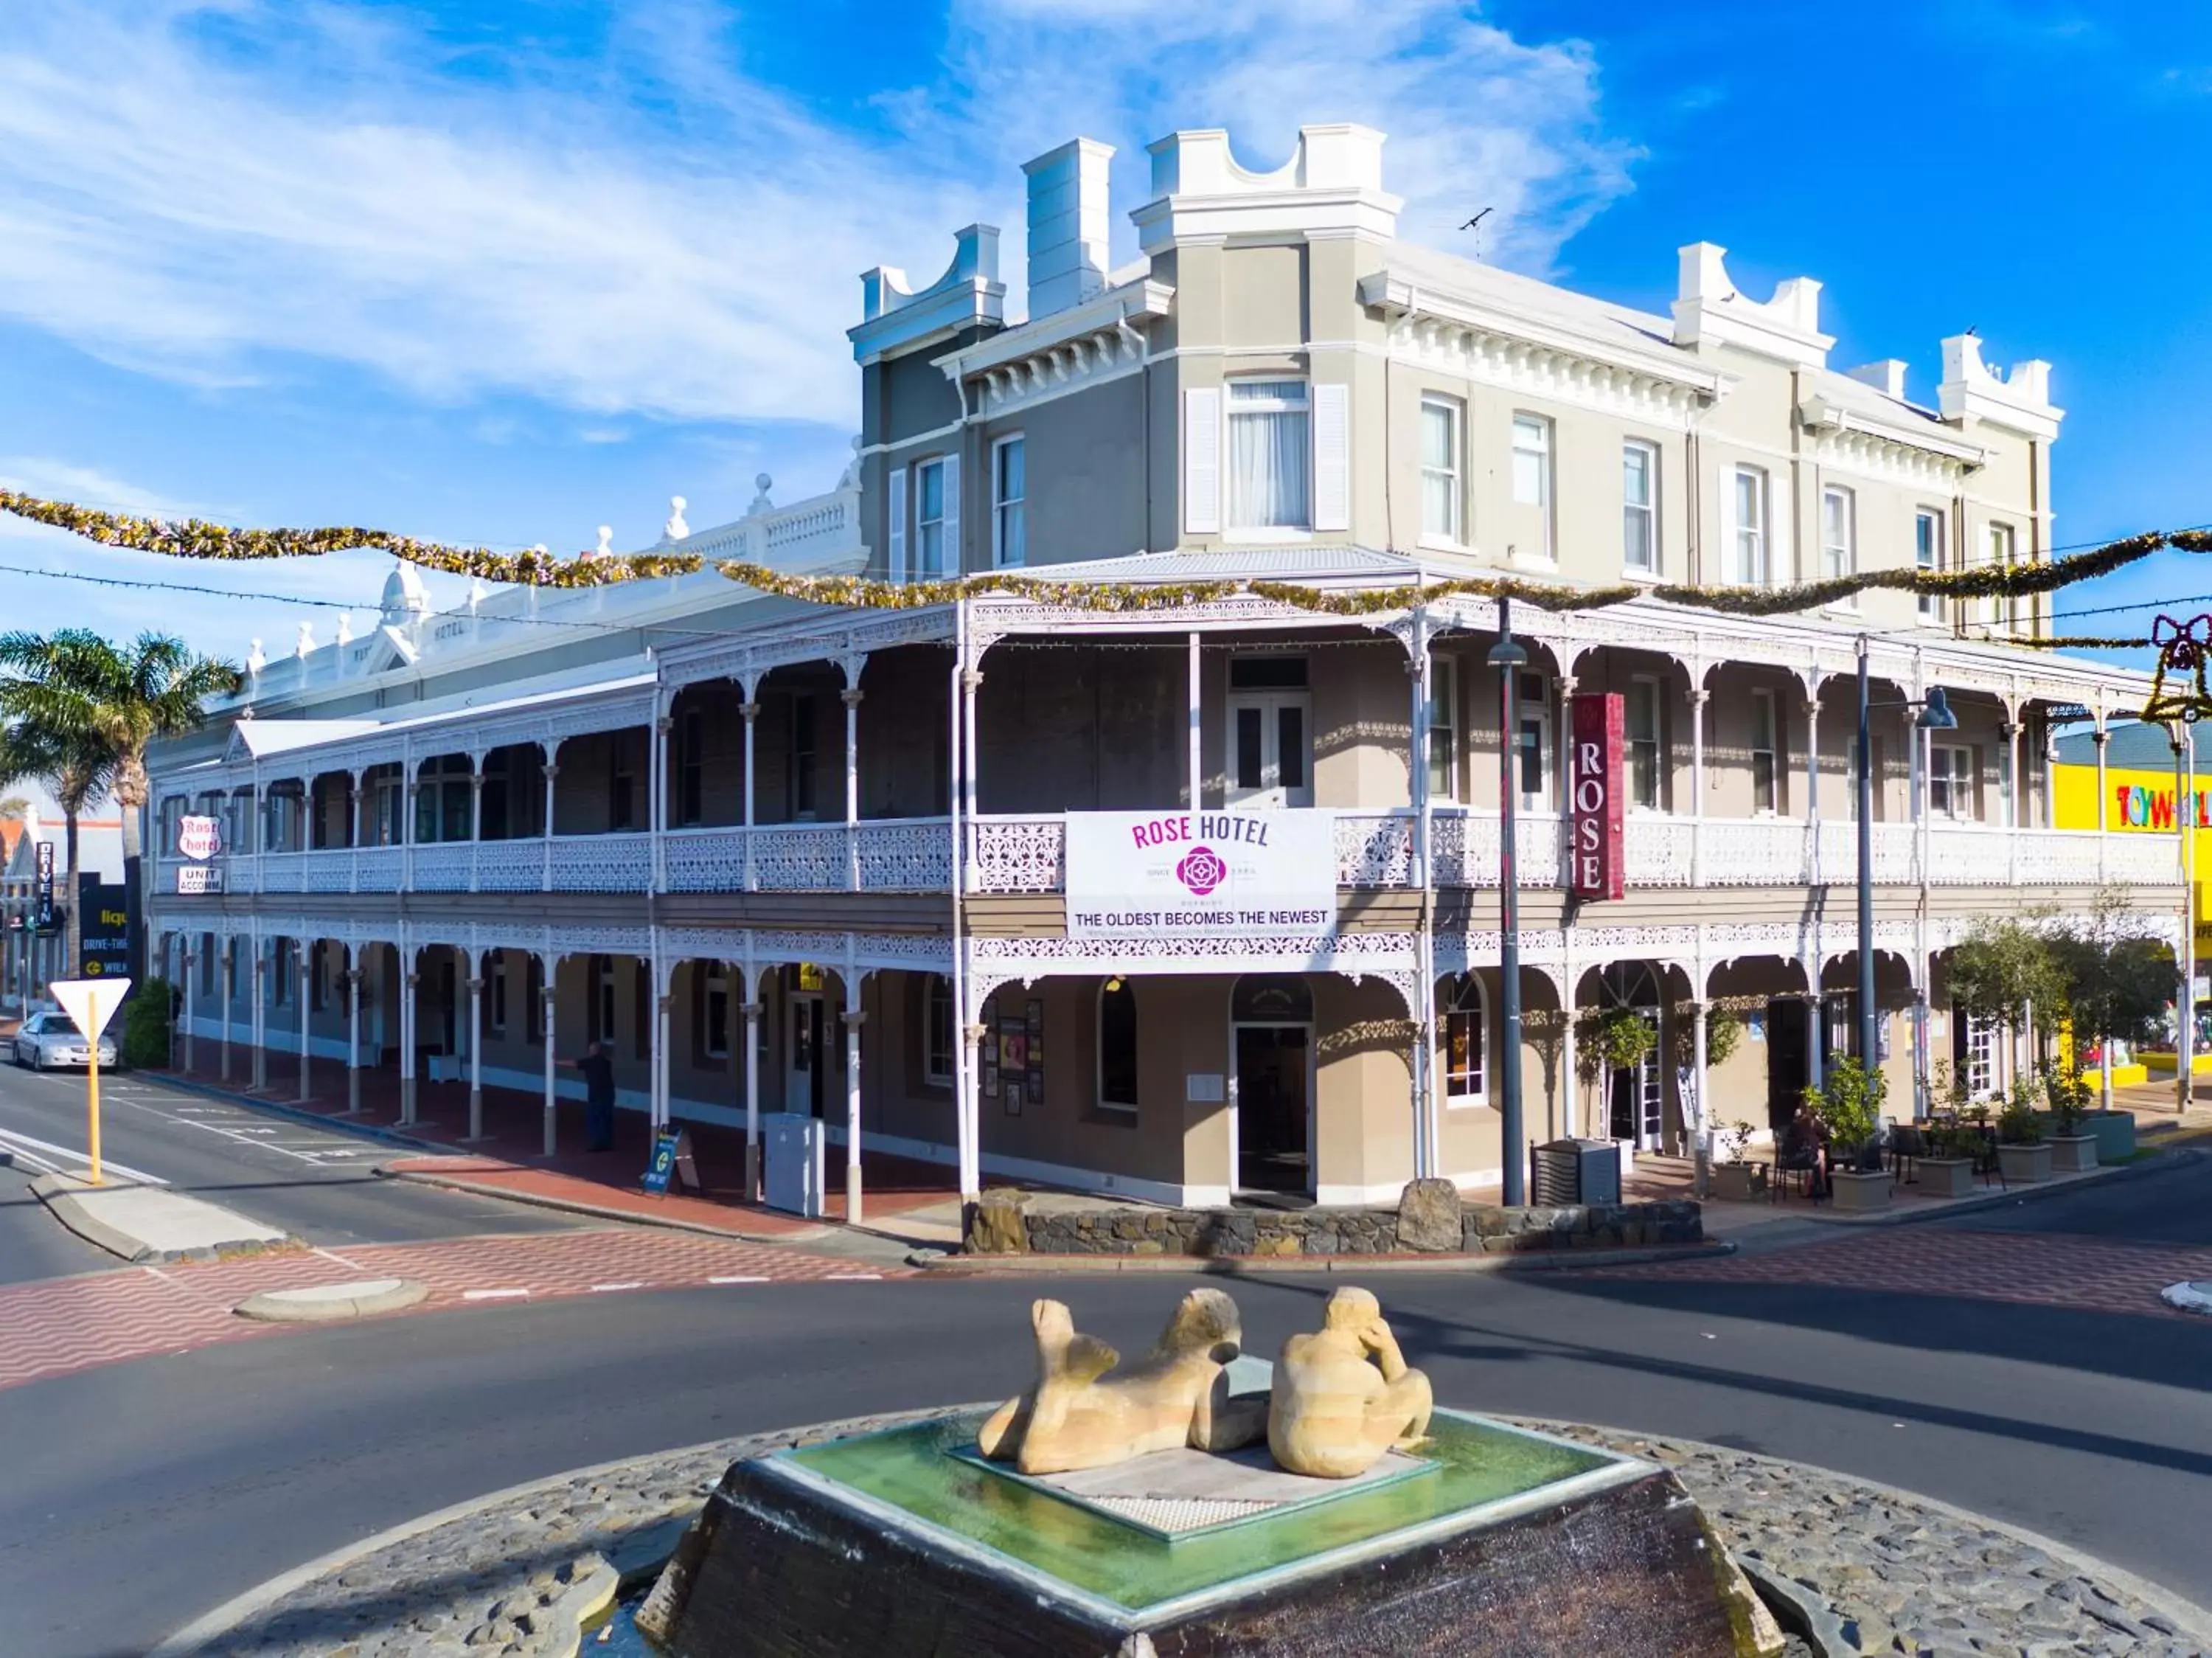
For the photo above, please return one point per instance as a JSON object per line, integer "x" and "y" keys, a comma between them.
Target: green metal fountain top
{"x": 1470, "y": 1472}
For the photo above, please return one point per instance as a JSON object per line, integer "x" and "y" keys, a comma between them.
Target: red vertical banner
{"x": 1595, "y": 786}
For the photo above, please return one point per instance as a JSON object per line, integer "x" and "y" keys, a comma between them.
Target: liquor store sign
{"x": 1181, "y": 874}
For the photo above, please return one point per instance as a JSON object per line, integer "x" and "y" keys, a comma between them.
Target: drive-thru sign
{"x": 92, "y": 1004}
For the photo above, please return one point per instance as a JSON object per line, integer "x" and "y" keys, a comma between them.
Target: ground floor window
{"x": 280, "y": 965}
{"x": 1463, "y": 1011}
{"x": 1117, "y": 1045}
{"x": 714, "y": 1012}
{"x": 938, "y": 1034}
{"x": 1975, "y": 1048}
{"x": 496, "y": 987}
{"x": 533, "y": 993}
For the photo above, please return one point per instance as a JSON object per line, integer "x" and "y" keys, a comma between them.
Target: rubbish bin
{"x": 794, "y": 1149}
{"x": 1565, "y": 1172}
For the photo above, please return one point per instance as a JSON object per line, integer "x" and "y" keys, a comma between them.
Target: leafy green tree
{"x": 2001, "y": 971}
{"x": 75, "y": 770}
{"x": 2115, "y": 978}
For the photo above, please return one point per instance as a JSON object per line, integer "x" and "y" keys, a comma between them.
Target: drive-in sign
{"x": 1595, "y": 780}
{"x": 199, "y": 838}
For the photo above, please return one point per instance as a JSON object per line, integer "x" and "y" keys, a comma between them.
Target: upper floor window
{"x": 1270, "y": 452}
{"x": 443, "y": 806}
{"x": 2002, "y": 550}
{"x": 1951, "y": 780}
{"x": 621, "y": 782}
{"x": 1747, "y": 526}
{"x": 1766, "y": 753}
{"x": 1642, "y": 711}
{"x": 1010, "y": 501}
{"x": 1839, "y": 532}
{"x": 1441, "y": 496}
{"x": 1927, "y": 557}
{"x": 1639, "y": 507}
{"x": 801, "y": 796}
{"x": 929, "y": 519}
{"x": 1462, "y": 1012}
{"x": 691, "y": 766}
{"x": 1444, "y": 728}
{"x": 1117, "y": 1045}
{"x": 1532, "y": 473}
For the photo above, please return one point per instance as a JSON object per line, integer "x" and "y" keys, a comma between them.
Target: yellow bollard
{"x": 92, "y": 1079}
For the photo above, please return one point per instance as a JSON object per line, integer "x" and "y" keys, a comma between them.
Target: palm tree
{"x": 77, "y": 773}
{"x": 98, "y": 708}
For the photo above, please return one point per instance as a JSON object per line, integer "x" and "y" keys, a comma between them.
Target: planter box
{"x": 2115, "y": 1133}
{"x": 1857, "y": 1193}
{"x": 2025, "y": 1165}
{"x": 1739, "y": 1183}
{"x": 2072, "y": 1154}
{"x": 1946, "y": 1177}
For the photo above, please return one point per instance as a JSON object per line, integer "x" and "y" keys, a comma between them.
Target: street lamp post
{"x": 1935, "y": 715}
{"x": 1509, "y": 658}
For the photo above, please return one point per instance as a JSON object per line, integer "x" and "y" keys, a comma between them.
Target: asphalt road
{"x": 138, "y": 1497}
{"x": 313, "y": 1181}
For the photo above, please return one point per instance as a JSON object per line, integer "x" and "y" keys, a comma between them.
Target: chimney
{"x": 1887, "y": 376}
{"x": 1067, "y": 225}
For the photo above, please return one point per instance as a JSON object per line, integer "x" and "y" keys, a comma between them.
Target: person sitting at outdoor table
{"x": 1805, "y": 1146}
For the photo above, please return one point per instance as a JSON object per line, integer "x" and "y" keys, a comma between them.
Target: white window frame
{"x": 1981, "y": 1046}
{"x": 496, "y": 992}
{"x": 1951, "y": 777}
{"x": 1237, "y": 521}
{"x": 1128, "y": 1107}
{"x": 1927, "y": 556}
{"x": 937, "y": 1022}
{"x": 1008, "y": 509}
{"x": 1452, "y": 534}
{"x": 1751, "y": 546}
{"x": 1465, "y": 1086}
{"x": 1765, "y": 723}
{"x": 1645, "y": 511}
{"x": 1535, "y": 710}
{"x": 927, "y": 567}
{"x": 1535, "y": 439}
{"x": 1648, "y": 684}
{"x": 2000, "y": 541}
{"x": 1443, "y": 716}
{"x": 1839, "y": 534}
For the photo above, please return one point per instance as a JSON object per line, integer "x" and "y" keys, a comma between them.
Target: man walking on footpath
{"x": 598, "y": 1072}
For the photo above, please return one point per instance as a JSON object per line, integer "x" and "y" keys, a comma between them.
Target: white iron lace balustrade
{"x": 1754, "y": 851}
{"x": 443, "y": 866}
{"x": 808, "y": 858}
{"x": 510, "y": 865}
{"x": 905, "y": 855}
{"x": 705, "y": 860}
{"x": 1658, "y": 852}
{"x": 602, "y": 863}
{"x": 377, "y": 868}
{"x": 1019, "y": 855}
{"x": 1374, "y": 849}
{"x": 1962, "y": 857}
{"x": 329, "y": 871}
{"x": 281, "y": 872}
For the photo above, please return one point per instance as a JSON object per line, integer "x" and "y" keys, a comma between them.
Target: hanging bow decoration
{"x": 2183, "y": 649}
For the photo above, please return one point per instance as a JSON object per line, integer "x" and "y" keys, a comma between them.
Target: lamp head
{"x": 1937, "y": 715}
{"x": 1508, "y": 653}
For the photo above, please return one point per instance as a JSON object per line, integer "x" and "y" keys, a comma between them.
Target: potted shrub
{"x": 1849, "y": 1106}
{"x": 1735, "y": 1178}
{"x": 1947, "y": 1167}
{"x": 2072, "y": 1148}
{"x": 2022, "y": 1152}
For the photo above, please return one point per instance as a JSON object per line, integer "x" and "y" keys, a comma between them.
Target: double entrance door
{"x": 807, "y": 1055}
{"x": 1270, "y": 1023}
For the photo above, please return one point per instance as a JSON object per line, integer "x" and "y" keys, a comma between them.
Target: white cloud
{"x": 204, "y": 190}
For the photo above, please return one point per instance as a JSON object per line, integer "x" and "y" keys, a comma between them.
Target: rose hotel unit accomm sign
{"x": 1175, "y": 875}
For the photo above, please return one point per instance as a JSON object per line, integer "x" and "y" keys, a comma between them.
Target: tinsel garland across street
{"x": 195, "y": 538}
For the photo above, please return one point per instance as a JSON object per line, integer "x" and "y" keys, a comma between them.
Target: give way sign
{"x": 91, "y": 1001}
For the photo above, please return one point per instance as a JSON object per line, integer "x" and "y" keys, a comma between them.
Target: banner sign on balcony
{"x": 194, "y": 879}
{"x": 1595, "y": 859}
{"x": 199, "y": 838}
{"x": 1177, "y": 874}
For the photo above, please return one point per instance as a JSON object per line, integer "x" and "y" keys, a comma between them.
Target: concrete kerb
{"x": 64, "y": 1196}
{"x": 326, "y": 1303}
{"x": 1259, "y": 1266}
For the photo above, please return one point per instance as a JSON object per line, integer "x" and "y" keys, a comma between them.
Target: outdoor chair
{"x": 1907, "y": 1145}
{"x": 1795, "y": 1156}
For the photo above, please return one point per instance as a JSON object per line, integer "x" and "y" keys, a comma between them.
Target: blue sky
{"x": 502, "y": 272}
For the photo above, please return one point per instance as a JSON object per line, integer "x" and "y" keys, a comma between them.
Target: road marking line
{"x": 741, "y": 1277}
{"x": 332, "y": 1255}
{"x": 490, "y": 1295}
{"x": 602, "y": 1289}
{"x": 21, "y": 1141}
{"x": 855, "y": 1277}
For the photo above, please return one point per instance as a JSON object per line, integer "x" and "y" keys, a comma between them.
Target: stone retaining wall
{"x": 1426, "y": 1221}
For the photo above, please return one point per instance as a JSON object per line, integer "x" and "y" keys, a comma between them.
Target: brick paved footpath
{"x": 2045, "y": 1269}
{"x": 56, "y": 1325}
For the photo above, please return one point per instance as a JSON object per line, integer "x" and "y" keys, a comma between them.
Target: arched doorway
{"x": 1271, "y": 1039}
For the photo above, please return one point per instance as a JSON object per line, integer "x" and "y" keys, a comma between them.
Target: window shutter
{"x": 954, "y": 564}
{"x": 1332, "y": 442}
{"x": 894, "y": 493}
{"x": 1201, "y": 460}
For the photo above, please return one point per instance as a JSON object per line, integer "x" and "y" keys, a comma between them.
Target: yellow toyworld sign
{"x": 92, "y": 1004}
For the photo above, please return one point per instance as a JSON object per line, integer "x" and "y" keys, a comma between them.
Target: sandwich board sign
{"x": 92, "y": 1004}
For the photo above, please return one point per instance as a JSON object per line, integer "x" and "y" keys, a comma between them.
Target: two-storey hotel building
{"x": 781, "y": 857}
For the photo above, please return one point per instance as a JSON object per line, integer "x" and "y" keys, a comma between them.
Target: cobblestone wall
{"x": 1006, "y": 1223}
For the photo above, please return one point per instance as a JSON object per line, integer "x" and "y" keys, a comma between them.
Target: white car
{"x": 52, "y": 1039}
